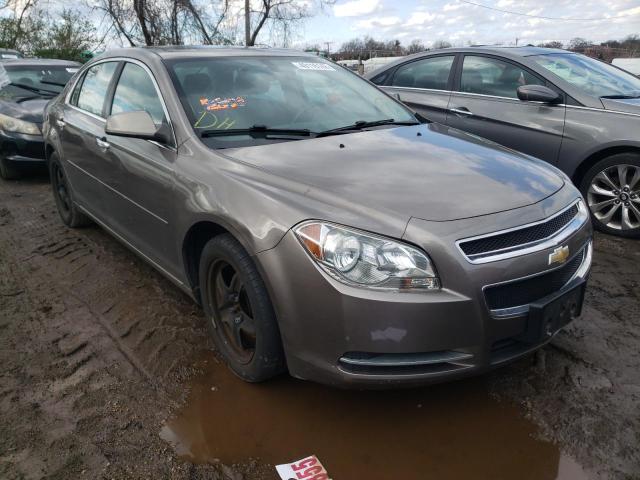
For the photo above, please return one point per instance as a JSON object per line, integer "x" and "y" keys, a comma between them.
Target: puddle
{"x": 448, "y": 431}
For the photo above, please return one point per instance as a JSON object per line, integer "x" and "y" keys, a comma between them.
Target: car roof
{"x": 24, "y": 62}
{"x": 525, "y": 51}
{"x": 185, "y": 51}
{"x": 508, "y": 52}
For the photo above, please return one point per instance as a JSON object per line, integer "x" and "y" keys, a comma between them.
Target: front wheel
{"x": 239, "y": 313}
{"x": 612, "y": 190}
{"x": 8, "y": 172}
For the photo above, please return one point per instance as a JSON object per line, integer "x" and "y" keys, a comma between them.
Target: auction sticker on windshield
{"x": 313, "y": 66}
{"x": 308, "y": 468}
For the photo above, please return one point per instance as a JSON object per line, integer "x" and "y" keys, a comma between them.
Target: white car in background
{"x": 631, "y": 65}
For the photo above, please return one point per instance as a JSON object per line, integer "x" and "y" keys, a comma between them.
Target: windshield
{"x": 591, "y": 76}
{"x": 276, "y": 93}
{"x": 33, "y": 80}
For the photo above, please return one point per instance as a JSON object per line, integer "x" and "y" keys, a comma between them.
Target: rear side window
{"x": 430, "y": 73}
{"x": 489, "y": 76}
{"x": 135, "y": 92}
{"x": 92, "y": 92}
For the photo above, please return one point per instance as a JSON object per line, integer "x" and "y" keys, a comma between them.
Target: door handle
{"x": 60, "y": 122}
{"x": 461, "y": 111}
{"x": 102, "y": 143}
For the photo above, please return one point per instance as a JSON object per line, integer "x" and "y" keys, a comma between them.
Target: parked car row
{"x": 326, "y": 229}
{"x": 577, "y": 113}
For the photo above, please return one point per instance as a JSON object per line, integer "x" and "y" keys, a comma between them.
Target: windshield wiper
{"x": 620, "y": 97}
{"x": 361, "y": 124}
{"x": 34, "y": 89}
{"x": 258, "y": 131}
{"x": 51, "y": 82}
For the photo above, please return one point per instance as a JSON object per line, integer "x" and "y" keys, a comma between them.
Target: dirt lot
{"x": 97, "y": 351}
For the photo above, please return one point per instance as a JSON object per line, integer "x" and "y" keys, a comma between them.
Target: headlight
{"x": 11, "y": 124}
{"x": 363, "y": 259}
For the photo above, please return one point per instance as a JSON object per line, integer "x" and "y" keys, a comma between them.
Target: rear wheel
{"x": 612, "y": 190}
{"x": 7, "y": 171}
{"x": 63, "y": 195}
{"x": 239, "y": 312}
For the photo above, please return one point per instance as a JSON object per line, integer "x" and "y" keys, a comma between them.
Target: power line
{"x": 600, "y": 19}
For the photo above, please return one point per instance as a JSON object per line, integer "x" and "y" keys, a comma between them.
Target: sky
{"x": 462, "y": 23}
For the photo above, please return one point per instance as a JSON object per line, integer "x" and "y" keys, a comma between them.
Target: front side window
{"x": 431, "y": 73}
{"x": 92, "y": 92}
{"x": 489, "y": 76}
{"x": 135, "y": 92}
{"x": 222, "y": 93}
{"x": 591, "y": 76}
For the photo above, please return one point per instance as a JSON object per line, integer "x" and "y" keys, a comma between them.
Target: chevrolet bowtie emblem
{"x": 559, "y": 255}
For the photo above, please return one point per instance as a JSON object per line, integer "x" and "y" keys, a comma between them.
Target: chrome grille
{"x": 526, "y": 238}
{"x": 520, "y": 237}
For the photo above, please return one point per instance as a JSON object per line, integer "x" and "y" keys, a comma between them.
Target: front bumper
{"x": 346, "y": 336}
{"x": 19, "y": 149}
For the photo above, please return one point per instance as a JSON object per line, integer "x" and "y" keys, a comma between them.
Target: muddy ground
{"x": 97, "y": 351}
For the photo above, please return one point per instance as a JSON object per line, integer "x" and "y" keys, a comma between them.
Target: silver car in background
{"x": 324, "y": 229}
{"x": 577, "y": 113}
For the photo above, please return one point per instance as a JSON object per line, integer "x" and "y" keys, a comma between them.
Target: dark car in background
{"x": 577, "y": 113}
{"x": 26, "y": 86}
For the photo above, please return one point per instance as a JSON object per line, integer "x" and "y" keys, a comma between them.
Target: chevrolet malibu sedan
{"x": 323, "y": 228}
{"x": 577, "y": 113}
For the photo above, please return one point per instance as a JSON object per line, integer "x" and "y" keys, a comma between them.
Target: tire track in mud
{"x": 94, "y": 348}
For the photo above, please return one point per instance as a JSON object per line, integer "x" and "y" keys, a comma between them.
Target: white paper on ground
{"x": 308, "y": 468}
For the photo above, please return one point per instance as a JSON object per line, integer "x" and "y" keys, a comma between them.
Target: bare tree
{"x": 20, "y": 15}
{"x": 441, "y": 44}
{"x": 553, "y": 44}
{"x": 283, "y": 15}
{"x": 578, "y": 43}
{"x": 415, "y": 46}
{"x": 164, "y": 22}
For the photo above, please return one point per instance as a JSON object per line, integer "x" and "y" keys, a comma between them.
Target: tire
{"x": 239, "y": 313}
{"x": 8, "y": 172}
{"x": 611, "y": 188}
{"x": 69, "y": 213}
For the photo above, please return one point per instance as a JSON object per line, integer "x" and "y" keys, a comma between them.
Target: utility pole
{"x": 247, "y": 22}
{"x": 328, "y": 44}
{"x": 516, "y": 41}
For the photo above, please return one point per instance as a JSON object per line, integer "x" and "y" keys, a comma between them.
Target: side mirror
{"x": 538, "y": 93}
{"x": 135, "y": 125}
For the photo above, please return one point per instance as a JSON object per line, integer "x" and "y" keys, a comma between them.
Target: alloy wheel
{"x": 614, "y": 197}
{"x": 232, "y": 313}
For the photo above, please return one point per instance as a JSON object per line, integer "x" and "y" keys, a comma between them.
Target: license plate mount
{"x": 546, "y": 318}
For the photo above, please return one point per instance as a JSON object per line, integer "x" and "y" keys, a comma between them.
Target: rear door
{"x": 82, "y": 132}
{"x": 424, "y": 85}
{"x": 485, "y": 103}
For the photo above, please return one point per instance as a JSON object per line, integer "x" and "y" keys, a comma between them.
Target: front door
{"x": 486, "y": 104}
{"x": 141, "y": 171}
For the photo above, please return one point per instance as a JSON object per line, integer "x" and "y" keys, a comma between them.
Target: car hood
{"x": 629, "y": 105}
{"x": 29, "y": 110}
{"x": 427, "y": 171}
